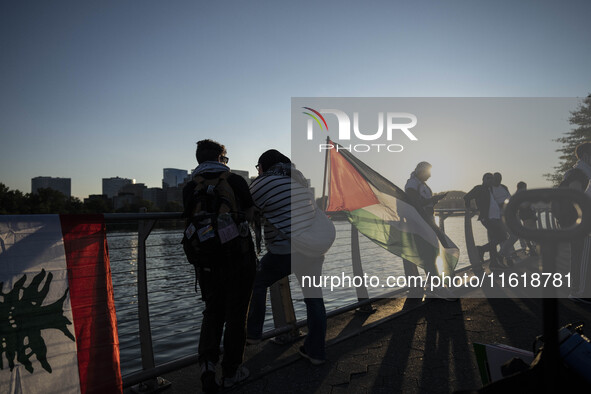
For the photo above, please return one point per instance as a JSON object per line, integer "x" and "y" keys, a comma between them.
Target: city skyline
{"x": 243, "y": 173}
{"x": 92, "y": 90}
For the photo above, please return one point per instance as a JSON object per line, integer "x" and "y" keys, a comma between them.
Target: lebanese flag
{"x": 382, "y": 212}
{"x": 58, "y": 326}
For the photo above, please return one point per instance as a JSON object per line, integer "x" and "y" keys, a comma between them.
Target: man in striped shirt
{"x": 281, "y": 194}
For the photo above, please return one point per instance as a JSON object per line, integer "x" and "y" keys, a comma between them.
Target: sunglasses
{"x": 224, "y": 159}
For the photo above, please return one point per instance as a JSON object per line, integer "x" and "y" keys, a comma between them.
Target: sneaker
{"x": 242, "y": 373}
{"x": 286, "y": 339}
{"x": 208, "y": 383}
{"x": 313, "y": 361}
{"x": 207, "y": 366}
{"x": 253, "y": 341}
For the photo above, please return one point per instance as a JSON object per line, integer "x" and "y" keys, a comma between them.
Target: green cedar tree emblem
{"x": 22, "y": 317}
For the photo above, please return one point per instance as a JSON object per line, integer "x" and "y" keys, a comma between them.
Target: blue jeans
{"x": 278, "y": 266}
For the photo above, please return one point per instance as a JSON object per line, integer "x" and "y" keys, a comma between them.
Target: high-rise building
{"x": 112, "y": 186}
{"x": 174, "y": 195}
{"x": 63, "y": 185}
{"x": 173, "y": 177}
{"x": 137, "y": 189}
{"x": 156, "y": 196}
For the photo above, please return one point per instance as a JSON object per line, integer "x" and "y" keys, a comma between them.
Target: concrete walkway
{"x": 406, "y": 346}
{"x": 424, "y": 349}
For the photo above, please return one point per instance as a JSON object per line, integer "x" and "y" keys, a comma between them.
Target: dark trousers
{"x": 275, "y": 267}
{"x": 226, "y": 288}
{"x": 497, "y": 234}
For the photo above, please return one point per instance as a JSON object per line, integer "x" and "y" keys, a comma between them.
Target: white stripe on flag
{"x": 29, "y": 245}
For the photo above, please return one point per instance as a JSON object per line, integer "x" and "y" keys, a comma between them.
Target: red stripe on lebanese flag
{"x": 57, "y": 298}
{"x": 93, "y": 305}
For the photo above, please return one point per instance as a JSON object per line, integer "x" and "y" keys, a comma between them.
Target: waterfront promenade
{"x": 406, "y": 346}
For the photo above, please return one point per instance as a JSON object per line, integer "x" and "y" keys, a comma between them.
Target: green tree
{"x": 74, "y": 205}
{"x": 49, "y": 201}
{"x": 135, "y": 207}
{"x": 581, "y": 120}
{"x": 46, "y": 201}
{"x": 11, "y": 201}
{"x": 97, "y": 205}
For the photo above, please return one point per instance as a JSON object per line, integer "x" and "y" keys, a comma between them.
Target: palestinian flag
{"x": 57, "y": 314}
{"x": 383, "y": 212}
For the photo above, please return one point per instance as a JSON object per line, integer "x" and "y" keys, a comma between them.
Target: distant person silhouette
{"x": 490, "y": 217}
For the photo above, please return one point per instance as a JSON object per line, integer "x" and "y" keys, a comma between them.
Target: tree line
{"x": 49, "y": 201}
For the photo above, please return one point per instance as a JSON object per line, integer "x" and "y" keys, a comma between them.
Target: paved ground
{"x": 427, "y": 349}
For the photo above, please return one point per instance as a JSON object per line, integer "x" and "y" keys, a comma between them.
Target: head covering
{"x": 272, "y": 157}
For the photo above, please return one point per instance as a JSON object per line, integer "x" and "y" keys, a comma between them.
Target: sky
{"x": 91, "y": 90}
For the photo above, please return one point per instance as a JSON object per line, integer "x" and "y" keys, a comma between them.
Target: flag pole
{"x": 324, "y": 206}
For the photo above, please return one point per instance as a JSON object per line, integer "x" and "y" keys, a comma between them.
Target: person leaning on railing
{"x": 280, "y": 192}
{"x": 500, "y": 193}
{"x": 490, "y": 217}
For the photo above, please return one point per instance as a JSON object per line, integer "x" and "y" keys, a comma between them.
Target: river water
{"x": 175, "y": 307}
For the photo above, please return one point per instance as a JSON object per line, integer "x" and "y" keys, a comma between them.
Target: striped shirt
{"x": 286, "y": 206}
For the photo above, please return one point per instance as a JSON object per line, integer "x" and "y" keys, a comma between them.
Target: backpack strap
{"x": 212, "y": 186}
{"x": 231, "y": 202}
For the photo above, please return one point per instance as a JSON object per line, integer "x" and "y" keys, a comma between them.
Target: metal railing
{"x": 284, "y": 316}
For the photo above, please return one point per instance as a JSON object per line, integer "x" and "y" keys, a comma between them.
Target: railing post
{"x": 146, "y": 348}
{"x": 553, "y": 220}
{"x": 548, "y": 223}
{"x": 442, "y": 217}
{"x": 283, "y": 313}
{"x": 144, "y": 229}
{"x": 473, "y": 255}
{"x": 362, "y": 293}
{"x": 539, "y": 221}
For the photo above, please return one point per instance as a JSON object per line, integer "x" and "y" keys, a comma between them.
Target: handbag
{"x": 315, "y": 240}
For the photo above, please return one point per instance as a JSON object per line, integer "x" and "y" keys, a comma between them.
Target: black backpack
{"x": 213, "y": 224}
